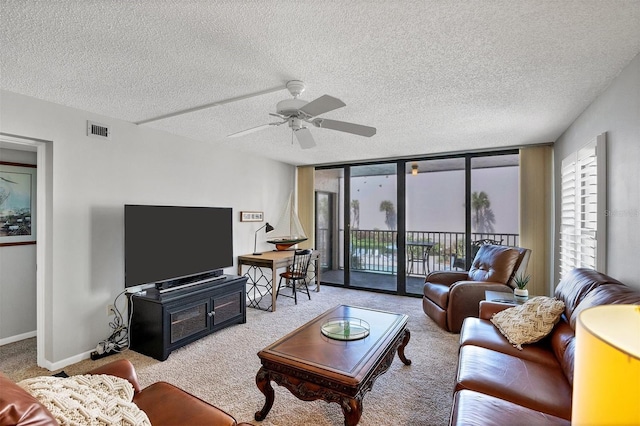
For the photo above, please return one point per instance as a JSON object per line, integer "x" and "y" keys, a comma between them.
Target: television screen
{"x": 170, "y": 242}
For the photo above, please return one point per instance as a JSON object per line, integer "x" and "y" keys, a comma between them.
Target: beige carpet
{"x": 221, "y": 367}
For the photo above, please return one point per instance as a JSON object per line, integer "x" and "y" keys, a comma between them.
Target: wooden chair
{"x": 295, "y": 273}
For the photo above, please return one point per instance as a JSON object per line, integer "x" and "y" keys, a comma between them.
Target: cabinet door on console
{"x": 228, "y": 306}
{"x": 186, "y": 321}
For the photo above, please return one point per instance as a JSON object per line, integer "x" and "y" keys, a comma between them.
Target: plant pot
{"x": 521, "y": 294}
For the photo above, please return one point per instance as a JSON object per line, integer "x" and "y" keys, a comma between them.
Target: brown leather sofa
{"x": 497, "y": 384}
{"x": 451, "y": 296}
{"x": 163, "y": 403}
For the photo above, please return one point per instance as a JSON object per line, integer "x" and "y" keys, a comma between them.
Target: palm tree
{"x": 391, "y": 218}
{"x": 484, "y": 217}
{"x": 355, "y": 211}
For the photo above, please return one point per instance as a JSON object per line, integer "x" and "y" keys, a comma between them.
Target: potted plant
{"x": 520, "y": 293}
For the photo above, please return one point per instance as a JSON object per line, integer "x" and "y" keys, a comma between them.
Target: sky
{"x": 435, "y": 201}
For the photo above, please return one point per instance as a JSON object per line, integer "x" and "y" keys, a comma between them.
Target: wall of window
{"x": 393, "y": 222}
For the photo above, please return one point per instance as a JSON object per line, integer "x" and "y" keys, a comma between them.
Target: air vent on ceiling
{"x": 98, "y": 130}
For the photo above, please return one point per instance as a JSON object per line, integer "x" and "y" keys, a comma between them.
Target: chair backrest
{"x": 475, "y": 245}
{"x": 499, "y": 264}
{"x": 301, "y": 260}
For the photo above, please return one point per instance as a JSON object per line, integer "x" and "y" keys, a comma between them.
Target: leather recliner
{"x": 451, "y": 296}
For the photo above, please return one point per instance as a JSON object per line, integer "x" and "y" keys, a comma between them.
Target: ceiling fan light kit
{"x": 296, "y": 112}
{"x": 296, "y": 87}
{"x": 289, "y": 107}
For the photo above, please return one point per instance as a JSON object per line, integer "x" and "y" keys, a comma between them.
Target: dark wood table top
{"x": 347, "y": 362}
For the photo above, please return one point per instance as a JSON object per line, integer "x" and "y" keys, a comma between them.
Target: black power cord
{"x": 119, "y": 338}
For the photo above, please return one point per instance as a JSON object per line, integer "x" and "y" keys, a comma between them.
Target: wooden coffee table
{"x": 313, "y": 366}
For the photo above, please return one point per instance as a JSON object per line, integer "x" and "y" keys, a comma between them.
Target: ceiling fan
{"x": 296, "y": 112}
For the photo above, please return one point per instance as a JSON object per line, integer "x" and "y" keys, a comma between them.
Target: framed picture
{"x": 251, "y": 216}
{"x": 17, "y": 204}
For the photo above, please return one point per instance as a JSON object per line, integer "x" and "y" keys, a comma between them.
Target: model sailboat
{"x": 289, "y": 231}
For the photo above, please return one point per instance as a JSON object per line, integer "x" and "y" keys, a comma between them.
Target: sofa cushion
{"x": 483, "y": 333}
{"x": 606, "y": 294}
{"x": 87, "y": 399}
{"x": 493, "y": 264}
{"x": 562, "y": 343}
{"x": 577, "y": 284}
{"x": 529, "y": 322}
{"x": 477, "y": 409}
{"x": 17, "y": 406}
{"x": 523, "y": 382}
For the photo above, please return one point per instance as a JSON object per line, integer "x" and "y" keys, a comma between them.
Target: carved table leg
{"x": 264, "y": 384}
{"x": 352, "y": 410}
{"x": 405, "y": 341}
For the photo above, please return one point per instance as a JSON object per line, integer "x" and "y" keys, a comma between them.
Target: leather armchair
{"x": 451, "y": 296}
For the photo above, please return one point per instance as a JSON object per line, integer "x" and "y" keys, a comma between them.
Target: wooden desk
{"x": 261, "y": 283}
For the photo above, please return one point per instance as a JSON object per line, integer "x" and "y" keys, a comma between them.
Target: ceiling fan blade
{"x": 305, "y": 139}
{"x": 324, "y": 103}
{"x": 343, "y": 126}
{"x": 253, "y": 129}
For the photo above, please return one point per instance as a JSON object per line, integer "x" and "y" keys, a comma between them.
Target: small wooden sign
{"x": 251, "y": 216}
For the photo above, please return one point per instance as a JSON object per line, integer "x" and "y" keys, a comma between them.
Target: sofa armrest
{"x": 17, "y": 406}
{"x": 446, "y": 277}
{"x": 488, "y": 309}
{"x": 121, "y": 368}
{"x": 166, "y": 404}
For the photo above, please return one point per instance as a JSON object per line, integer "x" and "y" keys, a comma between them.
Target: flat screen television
{"x": 166, "y": 245}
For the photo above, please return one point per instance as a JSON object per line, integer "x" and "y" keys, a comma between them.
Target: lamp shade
{"x": 606, "y": 379}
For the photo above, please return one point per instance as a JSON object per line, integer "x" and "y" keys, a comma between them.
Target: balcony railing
{"x": 376, "y": 250}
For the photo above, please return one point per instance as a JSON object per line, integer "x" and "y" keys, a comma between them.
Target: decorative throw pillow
{"x": 529, "y": 322}
{"x": 87, "y": 399}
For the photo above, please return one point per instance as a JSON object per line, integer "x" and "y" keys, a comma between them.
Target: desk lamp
{"x": 255, "y": 240}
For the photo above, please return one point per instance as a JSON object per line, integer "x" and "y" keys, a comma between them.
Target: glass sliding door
{"x": 373, "y": 216}
{"x": 329, "y": 227}
{"x": 435, "y": 218}
{"x": 325, "y": 225}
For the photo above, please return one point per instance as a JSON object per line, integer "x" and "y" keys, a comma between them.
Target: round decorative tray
{"x": 345, "y": 328}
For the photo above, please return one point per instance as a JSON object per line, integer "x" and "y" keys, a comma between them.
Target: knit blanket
{"x": 94, "y": 400}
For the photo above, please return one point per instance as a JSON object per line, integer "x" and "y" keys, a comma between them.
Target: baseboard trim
{"x": 17, "y": 338}
{"x": 52, "y": 366}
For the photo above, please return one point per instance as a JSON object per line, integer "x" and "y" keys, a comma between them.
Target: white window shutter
{"x": 583, "y": 208}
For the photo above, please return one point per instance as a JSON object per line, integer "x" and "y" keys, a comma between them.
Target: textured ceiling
{"x": 431, "y": 76}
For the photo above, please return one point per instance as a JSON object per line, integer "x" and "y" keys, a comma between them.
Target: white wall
{"x": 17, "y": 276}
{"x": 617, "y": 112}
{"x": 92, "y": 179}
